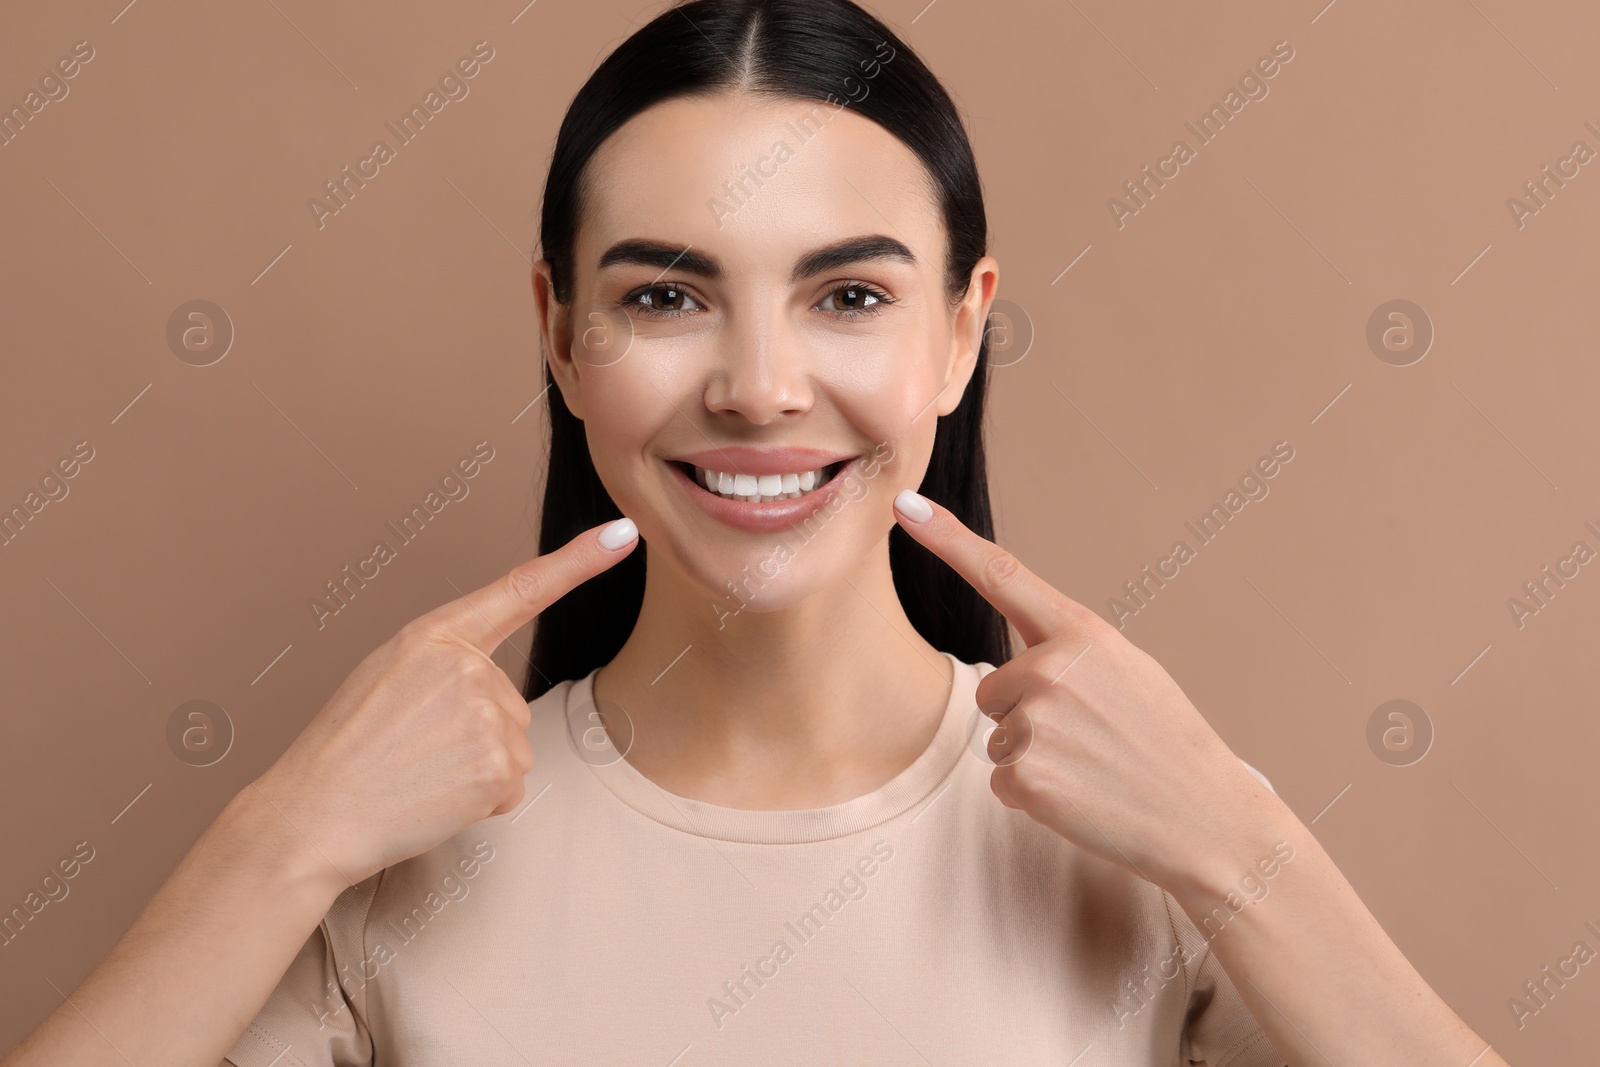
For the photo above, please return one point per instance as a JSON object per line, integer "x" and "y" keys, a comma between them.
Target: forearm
{"x": 201, "y": 959}
{"x": 1314, "y": 966}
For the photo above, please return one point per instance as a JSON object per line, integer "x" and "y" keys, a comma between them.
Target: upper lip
{"x": 743, "y": 459}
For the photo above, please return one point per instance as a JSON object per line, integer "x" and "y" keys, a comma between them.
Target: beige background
{"x": 1228, "y": 314}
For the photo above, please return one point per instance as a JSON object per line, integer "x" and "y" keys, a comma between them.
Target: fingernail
{"x": 617, "y": 533}
{"x": 913, "y": 505}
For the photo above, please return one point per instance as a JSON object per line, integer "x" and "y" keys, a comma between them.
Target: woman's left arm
{"x": 1097, "y": 742}
{"x": 1311, "y": 962}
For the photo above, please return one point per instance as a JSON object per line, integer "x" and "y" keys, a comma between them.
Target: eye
{"x": 665, "y": 300}
{"x": 643, "y": 300}
{"x": 856, "y": 297}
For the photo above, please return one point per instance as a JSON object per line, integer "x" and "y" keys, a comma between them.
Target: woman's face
{"x": 754, "y": 276}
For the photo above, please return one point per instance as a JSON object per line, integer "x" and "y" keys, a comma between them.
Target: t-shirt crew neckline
{"x": 796, "y": 826}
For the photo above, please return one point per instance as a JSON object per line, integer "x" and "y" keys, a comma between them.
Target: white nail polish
{"x": 913, "y": 505}
{"x": 618, "y": 533}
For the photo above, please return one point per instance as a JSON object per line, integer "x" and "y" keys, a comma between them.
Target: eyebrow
{"x": 669, "y": 256}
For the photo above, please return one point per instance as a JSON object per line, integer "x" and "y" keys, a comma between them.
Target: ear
{"x": 972, "y": 318}
{"x": 555, "y": 330}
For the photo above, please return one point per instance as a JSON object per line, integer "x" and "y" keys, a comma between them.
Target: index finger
{"x": 485, "y": 617}
{"x": 1030, "y": 603}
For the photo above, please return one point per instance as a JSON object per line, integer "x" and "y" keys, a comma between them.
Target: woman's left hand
{"x": 1097, "y": 742}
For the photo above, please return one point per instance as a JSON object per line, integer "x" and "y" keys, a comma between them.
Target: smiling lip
{"x": 755, "y": 516}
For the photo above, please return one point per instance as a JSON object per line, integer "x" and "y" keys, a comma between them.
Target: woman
{"x": 764, "y": 825}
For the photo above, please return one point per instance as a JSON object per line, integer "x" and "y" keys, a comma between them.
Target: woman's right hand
{"x": 427, "y": 735}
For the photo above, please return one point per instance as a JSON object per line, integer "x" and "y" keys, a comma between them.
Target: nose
{"x": 762, "y": 370}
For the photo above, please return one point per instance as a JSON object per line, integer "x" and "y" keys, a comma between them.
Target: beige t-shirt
{"x": 609, "y": 922}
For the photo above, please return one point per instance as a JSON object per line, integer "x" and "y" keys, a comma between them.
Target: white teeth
{"x": 762, "y": 487}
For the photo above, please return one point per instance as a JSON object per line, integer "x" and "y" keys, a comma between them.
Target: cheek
{"x": 624, "y": 407}
{"x": 889, "y": 387}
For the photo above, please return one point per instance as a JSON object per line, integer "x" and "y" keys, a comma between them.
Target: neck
{"x": 811, "y": 704}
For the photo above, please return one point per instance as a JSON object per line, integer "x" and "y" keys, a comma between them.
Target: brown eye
{"x": 856, "y": 300}
{"x": 663, "y": 299}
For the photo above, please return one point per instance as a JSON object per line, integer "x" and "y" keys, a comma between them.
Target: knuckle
{"x": 498, "y": 768}
{"x": 468, "y": 670}
{"x": 1040, "y": 674}
{"x": 1000, "y": 569}
{"x": 412, "y": 634}
{"x": 1026, "y": 783}
{"x": 527, "y": 584}
{"x": 1008, "y": 784}
{"x": 492, "y": 765}
{"x": 485, "y": 716}
{"x": 520, "y": 715}
{"x": 1060, "y": 668}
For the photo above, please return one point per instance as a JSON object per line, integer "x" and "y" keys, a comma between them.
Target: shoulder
{"x": 1019, "y": 861}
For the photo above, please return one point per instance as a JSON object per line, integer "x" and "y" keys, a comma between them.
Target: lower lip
{"x": 757, "y": 516}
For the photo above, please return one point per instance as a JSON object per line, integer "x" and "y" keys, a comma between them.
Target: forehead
{"x": 687, "y": 170}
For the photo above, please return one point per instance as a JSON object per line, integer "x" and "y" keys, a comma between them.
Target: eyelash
{"x": 632, "y": 300}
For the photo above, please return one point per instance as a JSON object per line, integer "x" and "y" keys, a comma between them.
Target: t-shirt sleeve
{"x": 316, "y": 1016}
{"x": 1218, "y": 1028}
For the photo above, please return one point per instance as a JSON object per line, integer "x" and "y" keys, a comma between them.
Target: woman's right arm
{"x": 198, "y": 963}
{"x": 425, "y": 737}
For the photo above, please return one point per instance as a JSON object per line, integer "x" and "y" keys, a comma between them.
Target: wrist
{"x": 251, "y": 833}
{"x": 1244, "y": 864}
